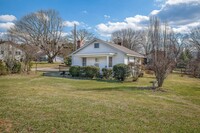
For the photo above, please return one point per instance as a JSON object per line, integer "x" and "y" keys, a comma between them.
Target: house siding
{"x": 103, "y": 48}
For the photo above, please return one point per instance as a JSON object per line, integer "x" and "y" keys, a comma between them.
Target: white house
{"x": 8, "y": 50}
{"x": 104, "y": 55}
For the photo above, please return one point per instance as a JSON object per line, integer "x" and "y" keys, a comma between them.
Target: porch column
{"x": 107, "y": 61}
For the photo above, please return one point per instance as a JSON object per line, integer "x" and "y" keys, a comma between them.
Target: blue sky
{"x": 105, "y": 16}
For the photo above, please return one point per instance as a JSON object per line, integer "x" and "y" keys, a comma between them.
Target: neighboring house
{"x": 57, "y": 59}
{"x": 41, "y": 56}
{"x": 104, "y": 55}
{"x": 10, "y": 51}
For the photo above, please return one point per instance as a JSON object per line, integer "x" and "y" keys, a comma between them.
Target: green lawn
{"x": 46, "y": 104}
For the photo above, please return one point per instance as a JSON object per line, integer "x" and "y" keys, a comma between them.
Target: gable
{"x": 103, "y": 48}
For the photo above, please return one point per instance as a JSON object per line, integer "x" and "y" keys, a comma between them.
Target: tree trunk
{"x": 160, "y": 82}
{"x": 50, "y": 60}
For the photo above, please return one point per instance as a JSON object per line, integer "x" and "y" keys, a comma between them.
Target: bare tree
{"x": 42, "y": 29}
{"x": 82, "y": 35}
{"x": 195, "y": 37}
{"x": 129, "y": 38}
{"x": 164, "y": 49}
{"x": 145, "y": 43}
{"x": 195, "y": 41}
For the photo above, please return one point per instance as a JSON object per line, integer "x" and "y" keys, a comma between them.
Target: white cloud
{"x": 182, "y": 15}
{"x": 136, "y": 22}
{"x": 185, "y": 28}
{"x": 137, "y": 19}
{"x": 174, "y": 2}
{"x": 7, "y": 18}
{"x": 6, "y": 26}
{"x": 106, "y": 16}
{"x": 154, "y": 12}
{"x": 108, "y": 28}
{"x": 70, "y": 23}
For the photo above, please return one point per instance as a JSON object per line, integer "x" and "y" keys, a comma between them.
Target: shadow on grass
{"x": 108, "y": 81}
{"x": 59, "y": 75}
{"x": 119, "y": 88}
{"x": 54, "y": 74}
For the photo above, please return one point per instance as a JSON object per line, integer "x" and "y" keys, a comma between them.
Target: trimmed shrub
{"x": 68, "y": 61}
{"x": 3, "y": 69}
{"x": 16, "y": 67}
{"x": 91, "y": 71}
{"x": 74, "y": 71}
{"x": 121, "y": 71}
{"x": 107, "y": 73}
{"x": 82, "y": 72}
{"x": 13, "y": 66}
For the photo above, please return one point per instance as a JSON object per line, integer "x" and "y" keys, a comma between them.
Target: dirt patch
{"x": 5, "y": 126}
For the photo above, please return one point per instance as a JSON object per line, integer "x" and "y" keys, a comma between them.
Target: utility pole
{"x": 75, "y": 44}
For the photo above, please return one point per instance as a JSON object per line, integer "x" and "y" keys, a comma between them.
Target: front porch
{"x": 101, "y": 60}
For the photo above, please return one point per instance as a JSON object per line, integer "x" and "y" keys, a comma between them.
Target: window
{"x": 2, "y": 52}
{"x": 110, "y": 61}
{"x": 84, "y": 61}
{"x": 96, "y": 45}
{"x": 17, "y": 53}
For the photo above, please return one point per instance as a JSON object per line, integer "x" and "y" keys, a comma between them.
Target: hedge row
{"x": 119, "y": 72}
{"x": 107, "y": 73}
{"x": 86, "y": 71}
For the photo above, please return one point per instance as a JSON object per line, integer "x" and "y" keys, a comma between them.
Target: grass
{"x": 47, "y": 104}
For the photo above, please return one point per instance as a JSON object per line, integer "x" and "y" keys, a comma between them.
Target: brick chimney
{"x": 79, "y": 44}
{"x": 119, "y": 41}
